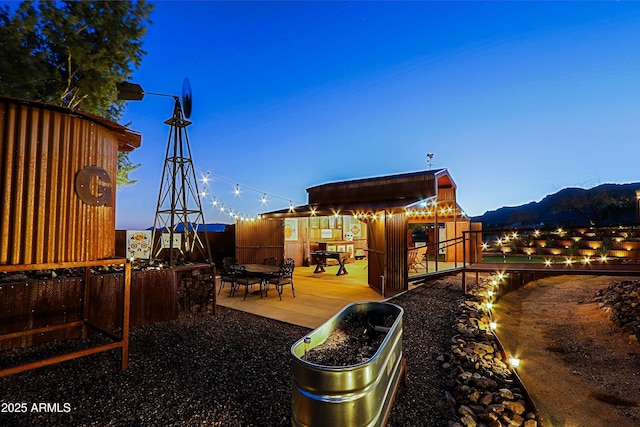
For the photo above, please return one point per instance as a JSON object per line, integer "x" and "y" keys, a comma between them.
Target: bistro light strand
{"x": 223, "y": 208}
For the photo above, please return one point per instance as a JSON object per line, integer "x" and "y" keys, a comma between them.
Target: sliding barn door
{"x": 259, "y": 239}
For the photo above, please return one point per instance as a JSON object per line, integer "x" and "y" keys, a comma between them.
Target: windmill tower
{"x": 179, "y": 214}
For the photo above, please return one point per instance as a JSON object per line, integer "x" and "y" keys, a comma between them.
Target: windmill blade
{"x": 187, "y": 97}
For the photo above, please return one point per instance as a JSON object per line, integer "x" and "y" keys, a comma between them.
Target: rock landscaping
{"x": 622, "y": 301}
{"x": 481, "y": 385}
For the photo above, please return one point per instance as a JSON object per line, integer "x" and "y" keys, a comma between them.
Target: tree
{"x": 72, "y": 53}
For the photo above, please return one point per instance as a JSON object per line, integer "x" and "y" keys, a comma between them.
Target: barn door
{"x": 259, "y": 239}
{"x": 377, "y": 255}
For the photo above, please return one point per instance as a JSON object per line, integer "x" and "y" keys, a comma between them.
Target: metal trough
{"x": 354, "y": 395}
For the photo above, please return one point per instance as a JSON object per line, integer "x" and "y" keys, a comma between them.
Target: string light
{"x": 206, "y": 178}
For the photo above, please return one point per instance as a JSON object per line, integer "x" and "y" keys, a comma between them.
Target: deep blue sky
{"x": 516, "y": 99}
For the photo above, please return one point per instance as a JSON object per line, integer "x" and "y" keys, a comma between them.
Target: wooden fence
{"x": 156, "y": 295}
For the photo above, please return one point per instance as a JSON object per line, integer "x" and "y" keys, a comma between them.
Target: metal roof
{"x": 390, "y": 192}
{"x": 128, "y": 140}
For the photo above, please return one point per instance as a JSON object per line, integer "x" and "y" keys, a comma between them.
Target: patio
{"x": 318, "y": 295}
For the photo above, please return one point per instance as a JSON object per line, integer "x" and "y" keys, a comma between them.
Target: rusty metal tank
{"x": 354, "y": 395}
{"x": 57, "y": 183}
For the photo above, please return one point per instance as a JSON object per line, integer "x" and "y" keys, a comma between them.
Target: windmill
{"x": 178, "y": 211}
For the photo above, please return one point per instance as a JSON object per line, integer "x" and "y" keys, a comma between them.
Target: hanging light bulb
{"x": 205, "y": 179}
{"x": 237, "y": 190}
{"x": 264, "y": 198}
{"x": 214, "y": 202}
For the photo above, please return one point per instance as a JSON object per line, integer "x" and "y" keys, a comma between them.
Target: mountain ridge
{"x": 572, "y": 206}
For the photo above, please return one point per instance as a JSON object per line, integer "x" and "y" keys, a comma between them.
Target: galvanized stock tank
{"x": 355, "y": 395}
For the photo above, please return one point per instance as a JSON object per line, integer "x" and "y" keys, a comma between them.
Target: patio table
{"x": 321, "y": 260}
{"x": 263, "y": 271}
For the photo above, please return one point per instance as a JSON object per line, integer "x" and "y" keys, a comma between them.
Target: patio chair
{"x": 226, "y": 272}
{"x": 270, "y": 261}
{"x": 241, "y": 277}
{"x": 283, "y": 277}
{"x": 421, "y": 259}
{"x": 412, "y": 259}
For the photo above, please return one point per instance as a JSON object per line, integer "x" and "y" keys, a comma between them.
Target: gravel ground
{"x": 231, "y": 369}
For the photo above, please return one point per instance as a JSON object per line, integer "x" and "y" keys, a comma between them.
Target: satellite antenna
{"x": 179, "y": 211}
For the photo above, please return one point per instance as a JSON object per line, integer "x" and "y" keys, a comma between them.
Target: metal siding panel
{"x": 41, "y": 213}
{"x": 41, "y": 217}
{"x": 51, "y": 211}
{"x": 29, "y": 187}
{"x": 17, "y": 198}
{"x": 6, "y": 172}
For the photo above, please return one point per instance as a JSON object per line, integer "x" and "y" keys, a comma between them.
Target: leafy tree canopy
{"x": 72, "y": 53}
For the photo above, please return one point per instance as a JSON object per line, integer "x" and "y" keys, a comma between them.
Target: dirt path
{"x": 579, "y": 368}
